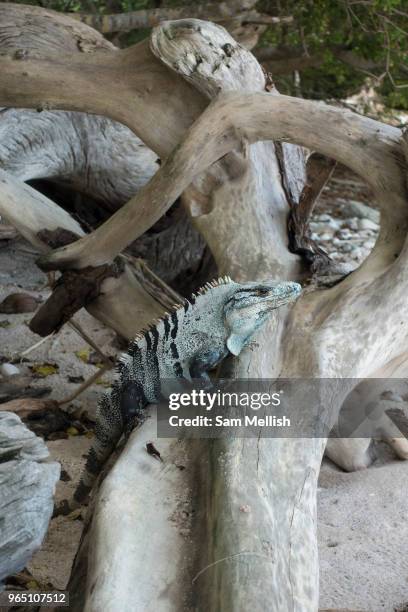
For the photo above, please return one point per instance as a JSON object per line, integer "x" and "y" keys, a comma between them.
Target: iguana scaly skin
{"x": 220, "y": 319}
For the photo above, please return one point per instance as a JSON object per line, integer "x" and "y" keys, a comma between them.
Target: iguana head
{"x": 249, "y": 305}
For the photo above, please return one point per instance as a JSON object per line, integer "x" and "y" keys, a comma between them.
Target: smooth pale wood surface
{"x": 27, "y": 485}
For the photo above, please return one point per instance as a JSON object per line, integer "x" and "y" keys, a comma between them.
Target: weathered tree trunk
{"x": 233, "y": 187}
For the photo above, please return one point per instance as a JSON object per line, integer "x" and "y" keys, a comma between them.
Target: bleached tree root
{"x": 377, "y": 397}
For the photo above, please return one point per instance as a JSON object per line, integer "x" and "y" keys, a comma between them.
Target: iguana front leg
{"x": 203, "y": 362}
{"x": 132, "y": 404}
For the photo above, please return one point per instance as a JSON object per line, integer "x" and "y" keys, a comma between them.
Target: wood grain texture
{"x": 27, "y": 484}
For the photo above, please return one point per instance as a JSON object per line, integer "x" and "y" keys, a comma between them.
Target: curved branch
{"x": 123, "y": 304}
{"x": 123, "y": 85}
{"x": 368, "y": 147}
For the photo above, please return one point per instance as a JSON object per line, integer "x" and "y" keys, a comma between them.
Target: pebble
{"x": 344, "y": 234}
{"x": 367, "y": 224}
{"x": 323, "y": 217}
{"x": 358, "y": 254}
{"x": 8, "y": 369}
{"x": 325, "y": 224}
{"x": 352, "y": 208}
{"x": 347, "y": 239}
{"x": 351, "y": 223}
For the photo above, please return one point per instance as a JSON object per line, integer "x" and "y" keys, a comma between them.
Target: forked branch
{"x": 368, "y": 147}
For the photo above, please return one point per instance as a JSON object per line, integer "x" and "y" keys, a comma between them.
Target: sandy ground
{"x": 363, "y": 527}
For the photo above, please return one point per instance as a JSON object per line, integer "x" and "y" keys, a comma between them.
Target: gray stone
{"x": 351, "y": 223}
{"x": 326, "y": 224}
{"x": 344, "y": 234}
{"x": 353, "y": 208}
{"x": 323, "y": 217}
{"x": 8, "y": 369}
{"x": 367, "y": 224}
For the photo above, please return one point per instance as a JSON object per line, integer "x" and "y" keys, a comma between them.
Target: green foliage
{"x": 374, "y": 30}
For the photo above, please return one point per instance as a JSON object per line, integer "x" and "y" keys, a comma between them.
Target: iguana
{"x": 219, "y": 320}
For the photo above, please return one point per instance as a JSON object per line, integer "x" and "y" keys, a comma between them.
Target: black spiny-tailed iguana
{"x": 220, "y": 319}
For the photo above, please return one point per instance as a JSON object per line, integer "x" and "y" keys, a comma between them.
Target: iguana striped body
{"x": 220, "y": 319}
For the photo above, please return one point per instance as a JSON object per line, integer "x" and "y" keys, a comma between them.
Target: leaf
{"x": 44, "y": 369}
{"x": 103, "y": 383}
{"x": 26, "y": 406}
{"x": 83, "y": 355}
{"x": 72, "y": 431}
{"x": 32, "y": 584}
{"x": 5, "y": 323}
{"x": 152, "y": 450}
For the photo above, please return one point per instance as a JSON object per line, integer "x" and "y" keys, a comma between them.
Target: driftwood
{"x": 93, "y": 155}
{"x": 32, "y": 213}
{"x": 27, "y": 484}
{"x": 239, "y": 205}
{"x": 319, "y": 169}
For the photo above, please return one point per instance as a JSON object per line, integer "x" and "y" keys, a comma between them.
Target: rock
{"x": 17, "y": 387}
{"x": 344, "y": 268}
{"x": 323, "y": 217}
{"x": 25, "y": 406}
{"x": 367, "y": 224}
{"x": 347, "y": 247}
{"x": 326, "y": 236}
{"x": 351, "y": 223}
{"x": 27, "y": 487}
{"x": 352, "y": 208}
{"x": 325, "y": 226}
{"x": 8, "y": 369}
{"x": 358, "y": 253}
{"x": 42, "y": 416}
{"x": 344, "y": 234}
{"x": 17, "y": 303}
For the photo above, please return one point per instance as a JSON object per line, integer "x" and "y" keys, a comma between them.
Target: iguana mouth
{"x": 285, "y": 293}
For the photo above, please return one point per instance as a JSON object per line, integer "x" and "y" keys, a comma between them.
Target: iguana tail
{"x": 108, "y": 431}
